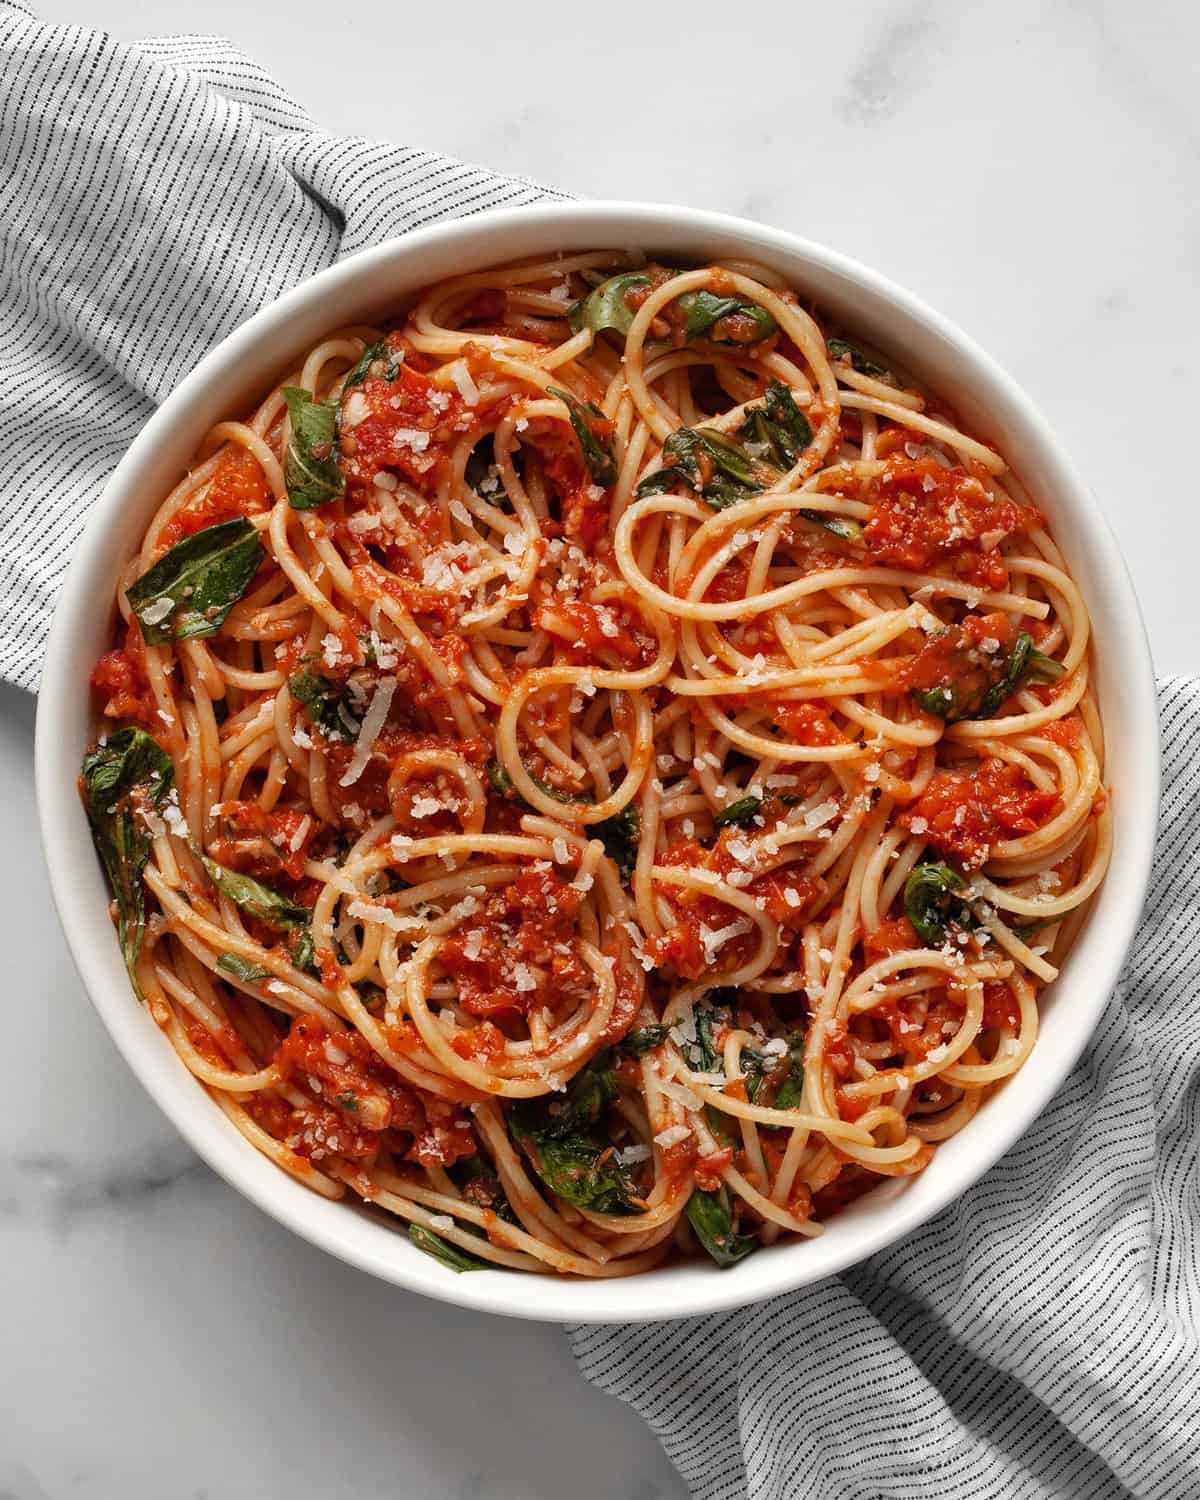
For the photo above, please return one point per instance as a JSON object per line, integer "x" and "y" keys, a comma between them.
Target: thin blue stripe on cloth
{"x": 1037, "y": 1339}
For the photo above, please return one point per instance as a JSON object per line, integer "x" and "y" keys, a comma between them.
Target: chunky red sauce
{"x": 966, "y": 815}
{"x": 519, "y": 951}
{"x": 239, "y": 488}
{"x": 355, "y": 1096}
{"x": 926, "y": 516}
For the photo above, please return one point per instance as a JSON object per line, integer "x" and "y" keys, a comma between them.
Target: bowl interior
{"x": 374, "y": 283}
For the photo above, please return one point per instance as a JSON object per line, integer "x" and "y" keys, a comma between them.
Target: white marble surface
{"x": 1031, "y": 168}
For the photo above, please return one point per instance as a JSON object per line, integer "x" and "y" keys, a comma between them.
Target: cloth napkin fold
{"x": 1037, "y": 1339}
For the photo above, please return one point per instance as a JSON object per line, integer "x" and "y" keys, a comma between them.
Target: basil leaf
{"x": 450, "y": 1255}
{"x": 190, "y": 590}
{"x": 849, "y": 530}
{"x": 731, "y": 470}
{"x": 476, "y": 1179}
{"x": 941, "y": 702}
{"x": 330, "y": 704}
{"x": 500, "y": 780}
{"x": 840, "y": 348}
{"x": 620, "y": 835}
{"x": 121, "y": 781}
{"x": 787, "y": 1095}
{"x": 932, "y": 904}
{"x": 1016, "y": 668}
{"x": 257, "y": 899}
{"x": 711, "y": 1218}
{"x": 703, "y": 1055}
{"x": 566, "y": 1145}
{"x": 737, "y": 814}
{"x": 605, "y": 307}
{"x": 303, "y": 950}
{"x": 704, "y": 310}
{"x": 728, "y": 457}
{"x": 580, "y": 1106}
{"x": 242, "y": 968}
{"x": 358, "y": 371}
{"x": 642, "y": 1039}
{"x": 502, "y": 783}
{"x": 662, "y": 481}
{"x": 583, "y": 1170}
{"x": 788, "y": 418}
{"x": 779, "y": 425}
{"x": 597, "y": 455}
{"x": 1045, "y": 667}
{"x": 311, "y": 470}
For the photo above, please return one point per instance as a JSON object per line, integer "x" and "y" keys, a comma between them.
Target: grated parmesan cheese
{"x": 373, "y": 721}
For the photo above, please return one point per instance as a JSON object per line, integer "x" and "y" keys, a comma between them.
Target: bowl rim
{"x": 254, "y": 1176}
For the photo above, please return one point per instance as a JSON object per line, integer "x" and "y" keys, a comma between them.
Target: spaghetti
{"x": 598, "y": 768}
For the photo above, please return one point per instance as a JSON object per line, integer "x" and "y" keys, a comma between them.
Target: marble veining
{"x": 1031, "y": 170}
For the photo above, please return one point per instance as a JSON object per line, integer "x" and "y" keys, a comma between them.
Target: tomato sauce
{"x": 121, "y": 686}
{"x": 966, "y": 815}
{"x": 404, "y": 427}
{"x": 356, "y": 1096}
{"x": 238, "y": 488}
{"x": 601, "y": 634}
{"x": 519, "y": 952}
{"x": 259, "y": 843}
{"x": 926, "y": 516}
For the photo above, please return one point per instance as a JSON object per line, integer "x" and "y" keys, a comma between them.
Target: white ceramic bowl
{"x": 249, "y": 362}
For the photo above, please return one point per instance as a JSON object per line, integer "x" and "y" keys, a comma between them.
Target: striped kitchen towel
{"x": 1037, "y": 1339}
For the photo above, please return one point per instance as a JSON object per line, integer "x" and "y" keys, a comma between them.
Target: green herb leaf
{"x": 849, "y": 530}
{"x": 476, "y": 1179}
{"x": 737, "y": 814}
{"x": 358, "y": 371}
{"x": 787, "y": 1095}
{"x": 564, "y": 1140}
{"x": 729, "y": 458}
{"x": 703, "y": 1055}
{"x": 242, "y": 968}
{"x": 502, "y": 783}
{"x": 620, "y": 835}
{"x": 330, "y": 704}
{"x": 779, "y": 425}
{"x": 642, "y": 1039}
{"x": 662, "y": 481}
{"x": 450, "y": 1255}
{"x": 257, "y": 899}
{"x": 973, "y": 696}
{"x": 121, "y": 782}
{"x": 1045, "y": 667}
{"x": 605, "y": 307}
{"x": 311, "y": 470}
{"x": 584, "y": 1170}
{"x": 704, "y": 310}
{"x": 580, "y": 1106}
{"x": 711, "y": 1218}
{"x": 731, "y": 469}
{"x": 597, "y": 455}
{"x": 840, "y": 348}
{"x": 190, "y": 590}
{"x": 932, "y": 903}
